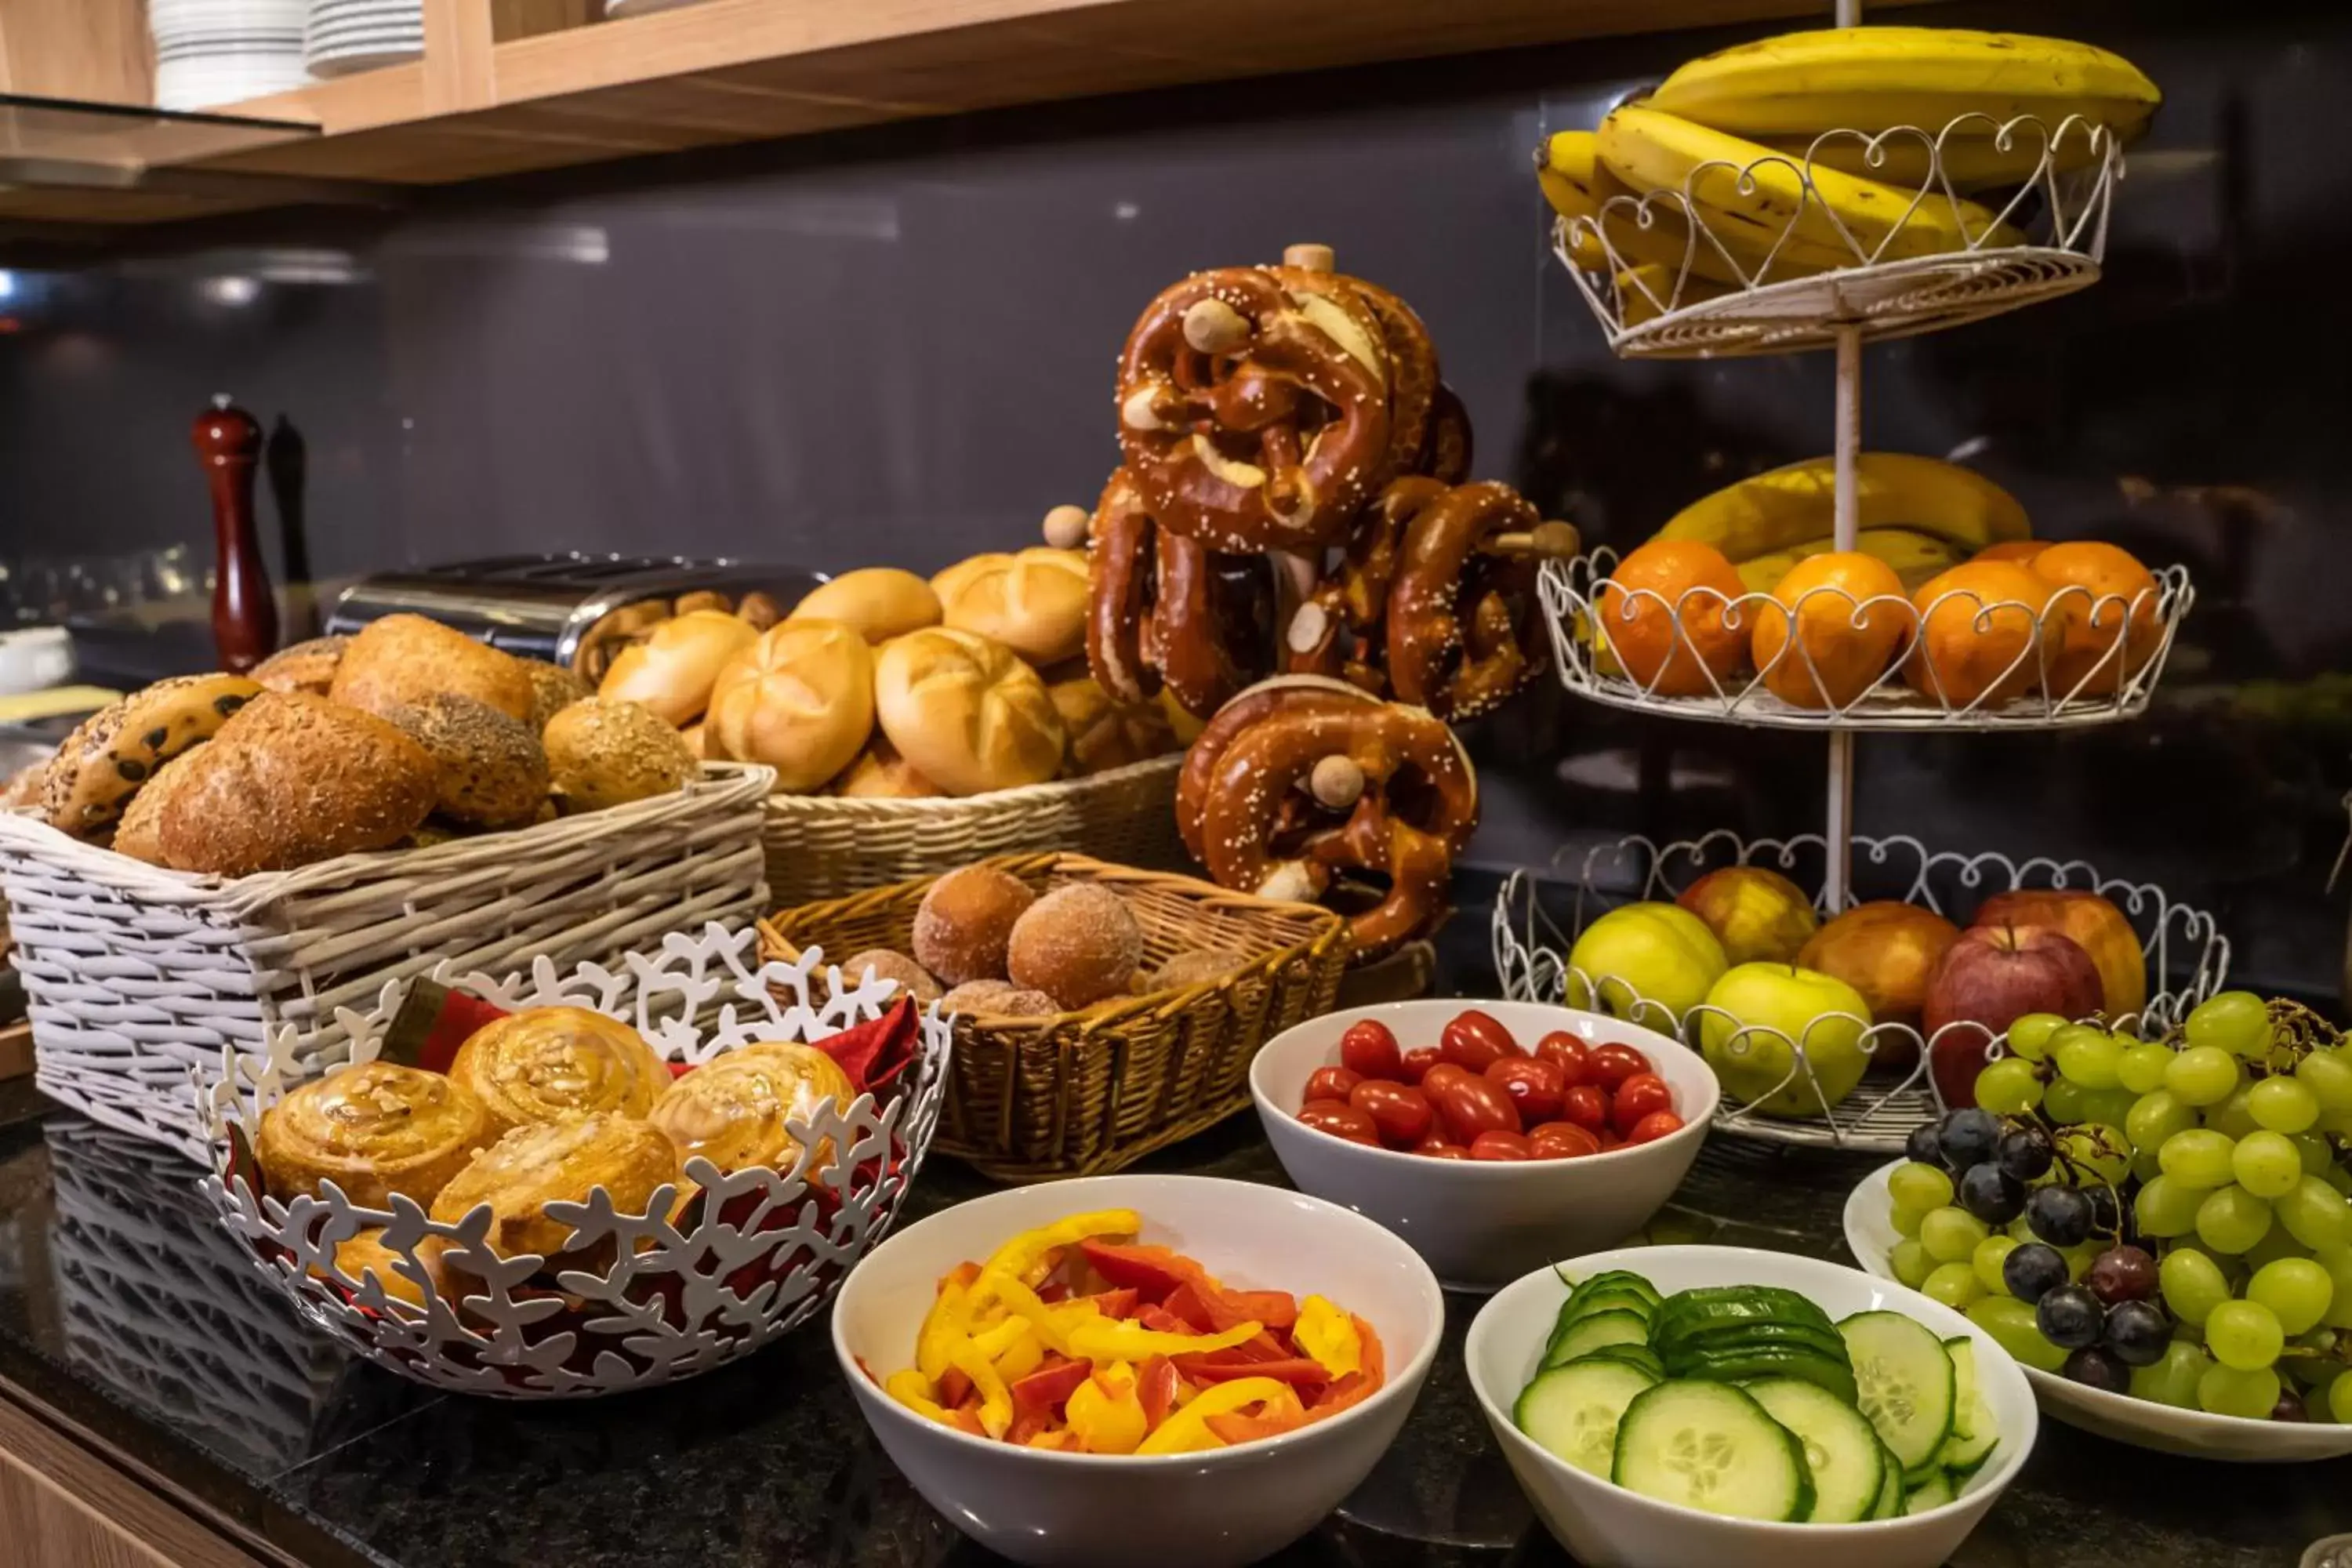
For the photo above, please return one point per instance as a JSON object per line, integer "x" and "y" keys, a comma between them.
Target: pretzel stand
{"x": 1291, "y": 549}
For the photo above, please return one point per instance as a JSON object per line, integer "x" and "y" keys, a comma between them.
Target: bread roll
{"x": 289, "y": 780}
{"x": 881, "y": 774}
{"x": 490, "y": 770}
{"x": 543, "y": 1064}
{"x": 1078, "y": 944}
{"x": 552, "y": 690}
{"x": 602, "y": 753}
{"x": 1035, "y": 602}
{"x": 801, "y": 700}
{"x": 673, "y": 670}
{"x": 374, "y": 1130}
{"x": 24, "y": 786}
{"x": 881, "y": 602}
{"x": 969, "y": 715}
{"x": 732, "y": 1109}
{"x": 1106, "y": 734}
{"x": 541, "y": 1163}
{"x": 139, "y": 834}
{"x": 115, "y": 751}
{"x": 400, "y": 660}
{"x": 308, "y": 667}
{"x": 964, "y": 921}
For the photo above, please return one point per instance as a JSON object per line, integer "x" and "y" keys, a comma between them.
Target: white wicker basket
{"x": 134, "y": 974}
{"x": 766, "y": 1251}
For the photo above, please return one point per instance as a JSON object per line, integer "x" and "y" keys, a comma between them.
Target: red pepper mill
{"x": 244, "y": 614}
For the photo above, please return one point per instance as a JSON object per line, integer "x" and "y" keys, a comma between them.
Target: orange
{"x": 2109, "y": 598}
{"x": 1978, "y": 644}
{"x": 2017, "y": 551}
{"x": 1649, "y": 591}
{"x": 1843, "y": 641}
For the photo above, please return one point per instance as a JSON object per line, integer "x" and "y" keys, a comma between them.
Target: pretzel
{"x": 1411, "y": 359}
{"x": 1447, "y": 449}
{"x": 1352, "y": 600}
{"x": 1208, "y": 630}
{"x": 1409, "y": 765}
{"x": 1284, "y": 694}
{"x": 1458, "y": 635}
{"x": 1120, "y": 585}
{"x": 1254, "y": 418}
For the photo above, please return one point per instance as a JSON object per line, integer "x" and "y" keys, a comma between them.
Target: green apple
{"x": 1652, "y": 962}
{"x": 1778, "y": 1004}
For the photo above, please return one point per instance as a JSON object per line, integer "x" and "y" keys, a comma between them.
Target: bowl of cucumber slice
{"x": 1669, "y": 1406}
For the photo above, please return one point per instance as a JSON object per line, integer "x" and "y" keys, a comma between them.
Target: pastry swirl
{"x": 374, "y": 1130}
{"x": 732, "y": 1110}
{"x": 544, "y": 1063}
{"x": 542, "y": 1163}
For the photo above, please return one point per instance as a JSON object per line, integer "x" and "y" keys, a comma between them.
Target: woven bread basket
{"x": 136, "y": 976}
{"x": 1083, "y": 1093}
{"x": 822, "y": 845}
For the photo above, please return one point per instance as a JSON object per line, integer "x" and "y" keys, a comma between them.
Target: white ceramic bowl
{"x": 2142, "y": 1423}
{"x": 1185, "y": 1511}
{"x": 1604, "y": 1526}
{"x": 1482, "y": 1223}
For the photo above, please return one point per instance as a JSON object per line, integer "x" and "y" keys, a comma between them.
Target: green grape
{"x": 2266, "y": 1164}
{"x": 2337, "y": 1261}
{"x": 1950, "y": 1235}
{"x": 2283, "y": 1104}
{"x": 2315, "y": 1213}
{"x": 2166, "y": 1208}
{"x": 2029, "y": 1036}
{"x": 2313, "y": 1150}
{"x": 2340, "y": 1122}
{"x": 2080, "y": 1258}
{"x": 2234, "y": 1117}
{"x": 2231, "y": 1219}
{"x": 2146, "y": 1164}
{"x": 2228, "y": 1391}
{"x": 2329, "y": 1075}
{"x": 2064, "y": 1101}
{"x": 2173, "y": 1380}
{"x": 2245, "y": 1335}
{"x": 1986, "y": 1260}
{"x": 2086, "y": 1054}
{"x": 2009, "y": 1087}
{"x": 2276, "y": 1243}
{"x": 1910, "y": 1262}
{"x": 2297, "y": 1290}
{"x": 2019, "y": 1230}
{"x": 2097, "y": 1147}
{"x": 2010, "y": 1323}
{"x": 1907, "y": 1219}
{"x": 1953, "y": 1284}
{"x": 2339, "y": 1400}
{"x": 2238, "y": 1022}
{"x": 2141, "y": 1068}
{"x": 2157, "y": 1116}
{"x": 2198, "y": 1158}
{"x": 2318, "y": 1370}
{"x": 2110, "y": 1106}
{"x": 2201, "y": 1076}
{"x": 1922, "y": 1187}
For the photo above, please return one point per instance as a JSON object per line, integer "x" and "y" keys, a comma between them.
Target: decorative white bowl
{"x": 1481, "y": 1224}
{"x": 2142, "y": 1423}
{"x": 1229, "y": 1506}
{"x": 1604, "y": 1526}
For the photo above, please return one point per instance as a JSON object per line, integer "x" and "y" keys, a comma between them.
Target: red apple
{"x": 1992, "y": 976}
{"x": 2104, "y": 932}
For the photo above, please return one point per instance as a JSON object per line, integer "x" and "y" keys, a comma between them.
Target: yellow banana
{"x": 1915, "y": 557}
{"x": 1646, "y": 292}
{"x": 1653, "y": 151}
{"x": 1791, "y": 505}
{"x": 1578, "y": 184}
{"x": 1967, "y": 163}
{"x": 1869, "y": 78}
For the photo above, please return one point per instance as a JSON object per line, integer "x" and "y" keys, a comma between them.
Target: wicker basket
{"x": 137, "y": 976}
{"x": 822, "y": 845}
{"x": 1083, "y": 1093}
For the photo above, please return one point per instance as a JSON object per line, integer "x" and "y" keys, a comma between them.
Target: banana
{"x": 1915, "y": 557}
{"x": 1872, "y": 78}
{"x": 1791, "y": 505}
{"x": 1654, "y": 151}
{"x": 1967, "y": 163}
{"x": 1578, "y": 184}
{"x": 1646, "y": 292}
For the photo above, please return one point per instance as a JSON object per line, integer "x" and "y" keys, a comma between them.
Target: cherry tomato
{"x": 1637, "y": 1097}
{"x": 1500, "y": 1146}
{"x": 1369, "y": 1049}
{"x": 1533, "y": 1086}
{"x": 1340, "y": 1120}
{"x": 1417, "y": 1063}
{"x": 1566, "y": 1052}
{"x": 1613, "y": 1064}
{"x": 1587, "y": 1105}
{"x": 1655, "y": 1125}
{"x": 1467, "y": 1104}
{"x": 1401, "y": 1112}
{"x": 1476, "y": 1041}
{"x": 1331, "y": 1083}
{"x": 1609, "y": 1139}
{"x": 1562, "y": 1140}
{"x": 1439, "y": 1149}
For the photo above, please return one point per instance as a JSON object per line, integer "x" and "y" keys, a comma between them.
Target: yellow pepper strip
{"x": 945, "y": 1326}
{"x": 1057, "y": 1438}
{"x": 1053, "y": 1323}
{"x": 1024, "y": 1356}
{"x": 995, "y": 1340}
{"x": 1187, "y": 1430}
{"x": 1024, "y": 1251}
{"x": 1329, "y": 1335}
{"x": 1123, "y": 1339}
{"x": 913, "y": 1390}
{"x": 995, "y": 1398}
{"x": 1105, "y": 1412}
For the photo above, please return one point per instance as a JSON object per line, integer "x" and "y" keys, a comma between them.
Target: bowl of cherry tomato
{"x": 1494, "y": 1137}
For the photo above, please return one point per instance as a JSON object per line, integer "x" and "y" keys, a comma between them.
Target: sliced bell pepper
{"x": 1358, "y": 1385}
{"x": 1271, "y": 1420}
{"x": 1058, "y": 1437}
{"x": 1024, "y": 1356}
{"x": 1298, "y": 1371}
{"x": 1157, "y": 1271}
{"x": 1106, "y": 1411}
{"x": 954, "y": 1387}
{"x": 1046, "y": 1390}
{"x": 1187, "y": 1431}
{"x": 1328, "y": 1335}
{"x": 1184, "y": 1304}
{"x": 945, "y": 1326}
{"x": 913, "y": 1390}
{"x": 1052, "y": 1323}
{"x": 1110, "y": 1338}
{"x": 1019, "y": 1255}
{"x": 1118, "y": 1303}
{"x": 1027, "y": 1423}
{"x": 1000, "y": 1337}
{"x": 995, "y": 1398}
{"x": 1156, "y": 1383}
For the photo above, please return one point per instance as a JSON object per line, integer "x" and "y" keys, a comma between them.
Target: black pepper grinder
{"x": 245, "y": 613}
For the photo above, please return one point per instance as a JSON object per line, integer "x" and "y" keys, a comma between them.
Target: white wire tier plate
{"x": 1718, "y": 285}
{"x": 2082, "y": 658}
{"x": 1536, "y": 922}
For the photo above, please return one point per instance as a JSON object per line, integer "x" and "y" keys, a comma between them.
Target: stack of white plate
{"x": 210, "y": 52}
{"x": 348, "y": 35}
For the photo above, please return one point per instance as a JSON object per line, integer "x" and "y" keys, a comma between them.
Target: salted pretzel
{"x": 1447, "y": 449}
{"x": 1121, "y": 582}
{"x": 1210, "y": 631}
{"x": 1282, "y": 695}
{"x": 1411, "y": 359}
{"x": 1415, "y": 804}
{"x": 1336, "y": 631}
{"x": 1254, "y": 416}
{"x": 1460, "y": 623}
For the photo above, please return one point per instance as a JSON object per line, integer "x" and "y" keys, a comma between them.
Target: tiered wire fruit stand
{"x": 1791, "y": 291}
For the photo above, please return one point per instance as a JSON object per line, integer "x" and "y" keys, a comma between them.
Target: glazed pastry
{"x": 365, "y": 1253}
{"x": 543, "y": 1162}
{"x": 544, "y": 1063}
{"x": 119, "y": 748}
{"x": 372, "y": 1129}
{"x": 732, "y": 1110}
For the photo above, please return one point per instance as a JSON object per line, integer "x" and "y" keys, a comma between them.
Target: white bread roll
{"x": 1035, "y": 602}
{"x": 967, "y": 715}
{"x": 673, "y": 670}
{"x": 881, "y": 602}
{"x": 800, "y": 699}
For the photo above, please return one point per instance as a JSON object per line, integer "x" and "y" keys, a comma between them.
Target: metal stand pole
{"x": 1839, "y": 828}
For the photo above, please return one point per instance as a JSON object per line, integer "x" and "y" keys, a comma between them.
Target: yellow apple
{"x": 1651, "y": 961}
{"x": 1778, "y": 1004}
{"x": 1754, "y": 913}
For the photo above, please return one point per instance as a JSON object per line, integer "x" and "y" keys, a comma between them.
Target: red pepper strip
{"x": 1028, "y": 1424}
{"x": 1155, "y": 1385}
{"x": 875, "y": 1052}
{"x": 967, "y": 1420}
{"x": 963, "y": 1274}
{"x": 1119, "y": 1303}
{"x": 1043, "y": 1392}
{"x": 1159, "y": 1319}
{"x": 1052, "y": 1294}
{"x": 1301, "y": 1373}
{"x": 1274, "y": 1309}
{"x": 1265, "y": 1347}
{"x": 1184, "y": 1302}
{"x": 1250, "y": 1428}
{"x": 954, "y": 1386}
{"x": 1357, "y": 1386}
{"x": 1157, "y": 1271}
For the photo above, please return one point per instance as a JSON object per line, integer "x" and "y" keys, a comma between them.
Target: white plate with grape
{"x": 2181, "y": 1281}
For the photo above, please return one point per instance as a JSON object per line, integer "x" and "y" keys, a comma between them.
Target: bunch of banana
{"x": 1915, "y": 557}
{"x": 1793, "y": 508}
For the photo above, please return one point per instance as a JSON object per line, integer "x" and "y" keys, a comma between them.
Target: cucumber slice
{"x": 1708, "y": 1445}
{"x": 1903, "y": 1384}
{"x": 1634, "y": 1355}
{"x": 1834, "y": 1376}
{"x": 1617, "y": 1278}
{"x": 1614, "y": 1290}
{"x": 1890, "y": 1485}
{"x": 1572, "y": 1412}
{"x": 1933, "y": 1493}
{"x": 1586, "y": 1335}
{"x": 1724, "y": 1338}
{"x": 1610, "y": 1298}
{"x": 1847, "y": 1461}
{"x": 1974, "y": 1433}
{"x": 1717, "y": 1303}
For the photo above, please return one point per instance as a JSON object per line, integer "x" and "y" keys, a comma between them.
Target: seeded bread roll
{"x": 1078, "y": 944}
{"x": 492, "y": 769}
{"x": 552, "y": 690}
{"x": 119, "y": 748}
{"x": 601, "y": 754}
{"x": 964, "y": 921}
{"x": 400, "y": 660}
{"x": 307, "y": 666}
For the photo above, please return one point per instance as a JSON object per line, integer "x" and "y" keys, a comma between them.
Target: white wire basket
{"x": 2188, "y": 958}
{"x": 682, "y": 1294}
{"x": 1777, "y": 292}
{"x": 2083, "y": 658}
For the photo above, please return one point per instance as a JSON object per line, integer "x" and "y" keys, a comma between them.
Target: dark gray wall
{"x": 896, "y": 345}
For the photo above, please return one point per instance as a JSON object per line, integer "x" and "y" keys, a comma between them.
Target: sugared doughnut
{"x": 966, "y": 920}
{"x": 1078, "y": 944}
{"x": 889, "y": 964}
{"x": 999, "y": 999}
